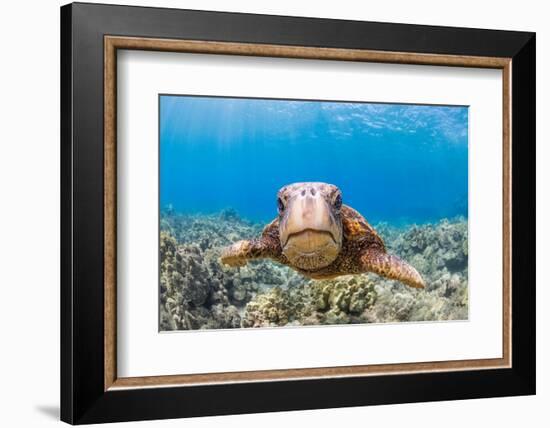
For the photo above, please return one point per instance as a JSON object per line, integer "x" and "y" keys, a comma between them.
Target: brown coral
{"x": 197, "y": 292}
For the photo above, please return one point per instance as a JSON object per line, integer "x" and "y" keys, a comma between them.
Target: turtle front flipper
{"x": 240, "y": 252}
{"x": 392, "y": 267}
{"x": 236, "y": 254}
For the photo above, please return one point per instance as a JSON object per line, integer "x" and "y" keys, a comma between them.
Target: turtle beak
{"x": 309, "y": 222}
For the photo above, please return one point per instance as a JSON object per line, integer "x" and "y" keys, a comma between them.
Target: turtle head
{"x": 310, "y": 225}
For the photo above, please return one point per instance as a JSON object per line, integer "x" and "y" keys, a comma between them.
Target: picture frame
{"x": 91, "y": 36}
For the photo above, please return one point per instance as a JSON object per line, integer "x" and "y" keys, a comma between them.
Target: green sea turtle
{"x": 319, "y": 237}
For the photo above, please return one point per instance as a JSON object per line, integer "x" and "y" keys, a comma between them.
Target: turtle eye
{"x": 338, "y": 201}
{"x": 280, "y": 205}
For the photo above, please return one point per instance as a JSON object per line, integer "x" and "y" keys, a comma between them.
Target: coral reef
{"x": 339, "y": 301}
{"x": 440, "y": 253}
{"x": 197, "y": 292}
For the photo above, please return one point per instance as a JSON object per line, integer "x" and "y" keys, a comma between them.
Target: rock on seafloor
{"x": 198, "y": 292}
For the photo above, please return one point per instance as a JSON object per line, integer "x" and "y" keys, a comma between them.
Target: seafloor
{"x": 198, "y": 292}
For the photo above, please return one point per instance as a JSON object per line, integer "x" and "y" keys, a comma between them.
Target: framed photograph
{"x": 265, "y": 213}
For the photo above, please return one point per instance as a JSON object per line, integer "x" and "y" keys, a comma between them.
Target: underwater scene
{"x": 278, "y": 212}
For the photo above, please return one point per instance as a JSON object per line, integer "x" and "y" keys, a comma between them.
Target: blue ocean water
{"x": 395, "y": 163}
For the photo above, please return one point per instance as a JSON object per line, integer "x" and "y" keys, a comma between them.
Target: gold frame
{"x": 113, "y": 43}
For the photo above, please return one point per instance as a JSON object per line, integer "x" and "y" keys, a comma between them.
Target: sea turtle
{"x": 318, "y": 236}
